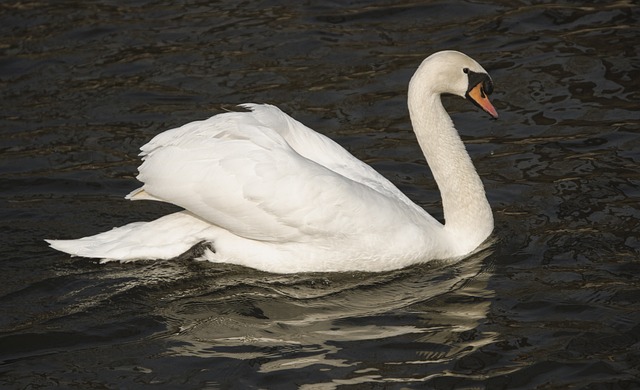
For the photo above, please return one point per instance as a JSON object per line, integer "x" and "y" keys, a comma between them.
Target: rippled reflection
{"x": 288, "y": 324}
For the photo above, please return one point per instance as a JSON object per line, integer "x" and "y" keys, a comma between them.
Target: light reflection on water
{"x": 319, "y": 322}
{"x": 553, "y": 302}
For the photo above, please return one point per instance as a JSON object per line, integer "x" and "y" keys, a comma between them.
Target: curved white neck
{"x": 467, "y": 214}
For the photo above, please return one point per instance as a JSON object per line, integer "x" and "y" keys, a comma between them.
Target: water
{"x": 551, "y": 303}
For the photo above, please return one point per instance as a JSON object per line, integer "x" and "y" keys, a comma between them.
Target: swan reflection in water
{"x": 330, "y": 321}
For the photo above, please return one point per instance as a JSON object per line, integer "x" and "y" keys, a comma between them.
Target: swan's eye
{"x": 466, "y": 70}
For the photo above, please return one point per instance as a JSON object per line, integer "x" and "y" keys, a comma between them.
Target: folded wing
{"x": 264, "y": 176}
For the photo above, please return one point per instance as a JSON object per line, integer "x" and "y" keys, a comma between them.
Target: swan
{"x": 262, "y": 190}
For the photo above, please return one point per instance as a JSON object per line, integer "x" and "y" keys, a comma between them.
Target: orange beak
{"x": 478, "y": 96}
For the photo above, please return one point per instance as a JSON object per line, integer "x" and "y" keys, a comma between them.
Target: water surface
{"x": 551, "y": 303}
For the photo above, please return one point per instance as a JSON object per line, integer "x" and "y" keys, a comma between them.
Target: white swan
{"x": 262, "y": 190}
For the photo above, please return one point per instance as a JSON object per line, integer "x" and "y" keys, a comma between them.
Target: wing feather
{"x": 264, "y": 176}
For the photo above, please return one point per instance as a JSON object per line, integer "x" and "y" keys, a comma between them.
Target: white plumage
{"x": 264, "y": 191}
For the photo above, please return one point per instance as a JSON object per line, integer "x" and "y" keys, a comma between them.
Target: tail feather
{"x": 164, "y": 238}
{"x": 141, "y": 194}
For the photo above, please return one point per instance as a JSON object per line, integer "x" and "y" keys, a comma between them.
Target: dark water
{"x": 552, "y": 303}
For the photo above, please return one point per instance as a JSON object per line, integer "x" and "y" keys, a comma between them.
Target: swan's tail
{"x": 163, "y": 238}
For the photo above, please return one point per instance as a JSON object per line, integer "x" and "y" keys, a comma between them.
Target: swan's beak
{"x": 478, "y": 96}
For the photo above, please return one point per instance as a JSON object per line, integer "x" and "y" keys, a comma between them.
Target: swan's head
{"x": 458, "y": 74}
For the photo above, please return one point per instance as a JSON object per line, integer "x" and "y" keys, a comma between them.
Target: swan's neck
{"x": 467, "y": 214}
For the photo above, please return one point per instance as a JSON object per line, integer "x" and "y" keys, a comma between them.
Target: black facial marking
{"x": 487, "y": 86}
{"x": 477, "y": 78}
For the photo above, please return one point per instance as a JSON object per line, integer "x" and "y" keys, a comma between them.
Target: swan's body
{"x": 264, "y": 191}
